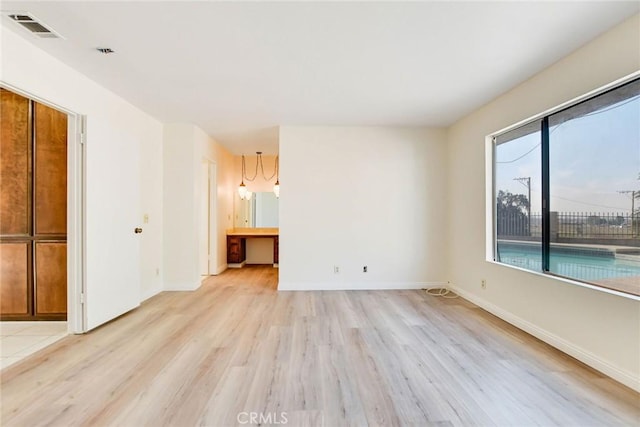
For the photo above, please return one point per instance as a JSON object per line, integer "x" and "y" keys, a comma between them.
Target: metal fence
{"x": 595, "y": 225}
{"x": 579, "y": 225}
{"x": 514, "y": 224}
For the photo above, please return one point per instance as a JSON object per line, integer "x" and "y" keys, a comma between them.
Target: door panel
{"x": 14, "y": 273}
{"x": 15, "y": 165}
{"x": 113, "y": 197}
{"x": 51, "y": 278}
{"x": 50, "y": 177}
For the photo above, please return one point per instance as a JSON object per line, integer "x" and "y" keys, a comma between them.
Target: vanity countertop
{"x": 253, "y": 232}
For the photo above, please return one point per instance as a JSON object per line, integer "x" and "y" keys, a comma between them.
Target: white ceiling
{"x": 238, "y": 69}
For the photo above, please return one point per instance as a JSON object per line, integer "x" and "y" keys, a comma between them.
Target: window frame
{"x": 490, "y": 156}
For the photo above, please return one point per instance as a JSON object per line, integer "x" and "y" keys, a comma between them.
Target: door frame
{"x": 212, "y": 231}
{"x": 213, "y": 218}
{"x": 204, "y": 222}
{"x": 76, "y": 211}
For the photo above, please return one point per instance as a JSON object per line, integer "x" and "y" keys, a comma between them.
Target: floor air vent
{"x": 31, "y": 23}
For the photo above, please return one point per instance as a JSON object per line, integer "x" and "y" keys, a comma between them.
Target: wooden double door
{"x": 33, "y": 210}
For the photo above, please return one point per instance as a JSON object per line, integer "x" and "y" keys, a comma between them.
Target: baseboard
{"x": 150, "y": 293}
{"x": 355, "y": 286}
{"x": 221, "y": 269}
{"x": 236, "y": 265}
{"x": 561, "y": 344}
{"x": 182, "y": 286}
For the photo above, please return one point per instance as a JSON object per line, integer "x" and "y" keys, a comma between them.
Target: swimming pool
{"x": 590, "y": 265}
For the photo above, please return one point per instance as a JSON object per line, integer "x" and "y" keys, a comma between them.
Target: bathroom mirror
{"x": 260, "y": 211}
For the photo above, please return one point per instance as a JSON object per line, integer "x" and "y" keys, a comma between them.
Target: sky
{"x": 592, "y": 158}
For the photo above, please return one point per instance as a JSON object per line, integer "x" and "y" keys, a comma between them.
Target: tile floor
{"x": 21, "y": 339}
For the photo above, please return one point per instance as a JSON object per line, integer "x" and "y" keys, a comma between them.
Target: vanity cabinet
{"x": 237, "y": 244}
{"x": 236, "y": 249}
{"x": 276, "y": 244}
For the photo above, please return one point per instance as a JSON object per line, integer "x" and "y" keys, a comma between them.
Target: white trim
{"x": 490, "y": 223}
{"x": 76, "y": 226}
{"x": 221, "y": 268}
{"x": 36, "y": 98}
{"x": 568, "y": 281}
{"x": 624, "y": 377}
{"x": 182, "y": 286}
{"x": 213, "y": 216}
{"x": 76, "y": 212}
{"x": 236, "y": 264}
{"x": 150, "y": 293}
{"x": 357, "y": 286}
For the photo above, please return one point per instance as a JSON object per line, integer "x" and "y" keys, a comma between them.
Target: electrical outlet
{"x": 145, "y": 219}
{"x": 364, "y": 269}
{"x": 483, "y": 284}
{"x": 336, "y": 269}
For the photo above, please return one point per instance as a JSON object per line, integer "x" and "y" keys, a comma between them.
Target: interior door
{"x": 113, "y": 213}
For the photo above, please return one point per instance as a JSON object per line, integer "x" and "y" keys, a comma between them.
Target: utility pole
{"x": 633, "y": 207}
{"x": 526, "y": 181}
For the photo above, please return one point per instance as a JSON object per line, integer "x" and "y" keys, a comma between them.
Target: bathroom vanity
{"x": 237, "y": 244}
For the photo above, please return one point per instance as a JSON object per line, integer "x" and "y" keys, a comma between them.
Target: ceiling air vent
{"x": 29, "y": 22}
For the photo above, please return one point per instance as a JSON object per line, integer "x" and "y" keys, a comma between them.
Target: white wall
{"x": 151, "y": 178}
{"x": 115, "y": 129}
{"x": 181, "y": 225}
{"x": 601, "y": 329}
{"x": 185, "y": 146}
{"x": 356, "y": 196}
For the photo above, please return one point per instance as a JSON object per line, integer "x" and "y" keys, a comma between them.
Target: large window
{"x": 567, "y": 192}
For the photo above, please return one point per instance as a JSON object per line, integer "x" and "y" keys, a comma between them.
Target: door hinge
{"x": 83, "y": 130}
{"x": 81, "y": 297}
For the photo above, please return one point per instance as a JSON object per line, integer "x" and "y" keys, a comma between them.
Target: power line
{"x": 589, "y": 204}
{"x": 613, "y": 107}
{"x": 518, "y": 158}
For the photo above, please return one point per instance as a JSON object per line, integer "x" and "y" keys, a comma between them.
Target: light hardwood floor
{"x": 236, "y": 346}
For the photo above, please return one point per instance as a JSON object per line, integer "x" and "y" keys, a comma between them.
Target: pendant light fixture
{"x": 244, "y": 193}
{"x": 276, "y": 186}
{"x": 242, "y": 189}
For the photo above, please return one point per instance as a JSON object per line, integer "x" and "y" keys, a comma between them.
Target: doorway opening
{"x": 41, "y": 223}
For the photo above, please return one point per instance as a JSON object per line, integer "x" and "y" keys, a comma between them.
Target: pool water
{"x": 578, "y": 264}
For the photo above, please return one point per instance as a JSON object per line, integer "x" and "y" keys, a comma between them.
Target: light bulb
{"x": 276, "y": 189}
{"x": 242, "y": 190}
